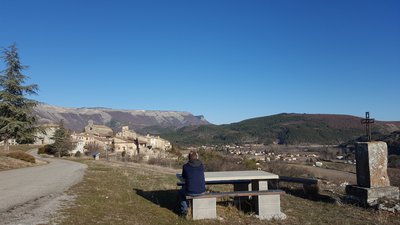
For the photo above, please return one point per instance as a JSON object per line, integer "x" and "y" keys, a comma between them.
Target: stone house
{"x": 126, "y": 140}
{"x": 85, "y": 139}
{"x": 98, "y": 130}
{"x": 79, "y": 147}
{"x": 158, "y": 143}
{"x": 121, "y": 145}
{"x": 41, "y": 137}
{"x": 10, "y": 142}
{"x": 126, "y": 133}
{"x": 46, "y": 137}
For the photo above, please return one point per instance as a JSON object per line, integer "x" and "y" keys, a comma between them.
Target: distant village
{"x": 262, "y": 153}
{"x": 102, "y": 137}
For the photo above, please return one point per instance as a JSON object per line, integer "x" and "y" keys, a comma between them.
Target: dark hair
{"x": 193, "y": 156}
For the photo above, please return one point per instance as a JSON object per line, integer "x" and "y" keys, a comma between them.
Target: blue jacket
{"x": 193, "y": 173}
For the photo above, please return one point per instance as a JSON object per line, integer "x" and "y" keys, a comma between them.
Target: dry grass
{"x": 21, "y": 156}
{"x": 146, "y": 195}
{"x": 7, "y": 163}
{"x": 23, "y": 148}
{"x": 340, "y": 167}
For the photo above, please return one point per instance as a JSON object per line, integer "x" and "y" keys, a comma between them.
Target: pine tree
{"x": 16, "y": 118}
{"x": 62, "y": 141}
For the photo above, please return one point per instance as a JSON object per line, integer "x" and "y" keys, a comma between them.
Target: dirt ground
{"x": 335, "y": 176}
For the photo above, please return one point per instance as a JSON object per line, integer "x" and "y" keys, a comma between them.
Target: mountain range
{"x": 77, "y": 118}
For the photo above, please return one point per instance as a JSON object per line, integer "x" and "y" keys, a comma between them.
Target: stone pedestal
{"x": 372, "y": 179}
{"x": 204, "y": 208}
{"x": 269, "y": 207}
{"x": 370, "y": 196}
{"x": 371, "y": 160}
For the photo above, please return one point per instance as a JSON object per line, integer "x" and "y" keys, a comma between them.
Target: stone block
{"x": 204, "y": 208}
{"x": 269, "y": 207}
{"x": 372, "y": 164}
{"x": 259, "y": 185}
{"x": 370, "y": 196}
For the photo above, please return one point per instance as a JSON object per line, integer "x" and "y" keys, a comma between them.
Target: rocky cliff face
{"x": 77, "y": 118}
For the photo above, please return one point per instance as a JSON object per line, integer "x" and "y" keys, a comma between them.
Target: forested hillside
{"x": 280, "y": 129}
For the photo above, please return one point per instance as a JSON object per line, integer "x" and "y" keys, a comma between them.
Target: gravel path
{"x": 30, "y": 195}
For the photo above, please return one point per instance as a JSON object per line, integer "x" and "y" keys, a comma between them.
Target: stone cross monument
{"x": 367, "y": 121}
{"x": 372, "y": 179}
{"x": 371, "y": 158}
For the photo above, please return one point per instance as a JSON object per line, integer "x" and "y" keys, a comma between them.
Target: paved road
{"x": 21, "y": 186}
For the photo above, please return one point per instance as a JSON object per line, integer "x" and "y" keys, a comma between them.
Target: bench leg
{"x": 204, "y": 208}
{"x": 240, "y": 200}
{"x": 269, "y": 207}
{"x": 259, "y": 185}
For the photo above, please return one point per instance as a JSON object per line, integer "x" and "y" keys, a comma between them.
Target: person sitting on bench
{"x": 193, "y": 174}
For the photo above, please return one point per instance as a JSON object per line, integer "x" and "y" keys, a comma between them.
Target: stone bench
{"x": 310, "y": 186}
{"x": 267, "y": 203}
{"x": 180, "y": 183}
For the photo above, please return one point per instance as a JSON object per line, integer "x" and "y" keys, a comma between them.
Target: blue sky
{"x": 227, "y": 60}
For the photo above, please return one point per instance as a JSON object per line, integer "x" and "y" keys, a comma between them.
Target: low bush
{"x": 283, "y": 169}
{"x": 311, "y": 189}
{"x": 214, "y": 161}
{"x": 136, "y": 158}
{"x": 163, "y": 162}
{"x": 46, "y": 149}
{"x": 22, "y": 156}
{"x": 41, "y": 150}
{"x": 78, "y": 154}
{"x": 394, "y": 161}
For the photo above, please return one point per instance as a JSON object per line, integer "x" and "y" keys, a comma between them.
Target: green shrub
{"x": 394, "y": 161}
{"x": 284, "y": 169}
{"x": 22, "y": 156}
{"x": 78, "y": 154}
{"x": 136, "y": 158}
{"x": 311, "y": 189}
{"x": 214, "y": 161}
{"x": 164, "y": 162}
{"x": 41, "y": 150}
{"x": 45, "y": 149}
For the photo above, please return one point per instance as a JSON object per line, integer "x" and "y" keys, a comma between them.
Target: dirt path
{"x": 30, "y": 195}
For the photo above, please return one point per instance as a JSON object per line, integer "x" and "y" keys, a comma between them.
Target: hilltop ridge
{"x": 77, "y": 118}
{"x": 284, "y": 128}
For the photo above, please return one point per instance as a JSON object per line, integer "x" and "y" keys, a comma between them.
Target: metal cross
{"x": 367, "y": 121}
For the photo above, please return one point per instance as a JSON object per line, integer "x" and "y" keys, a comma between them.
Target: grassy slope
{"x": 114, "y": 195}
